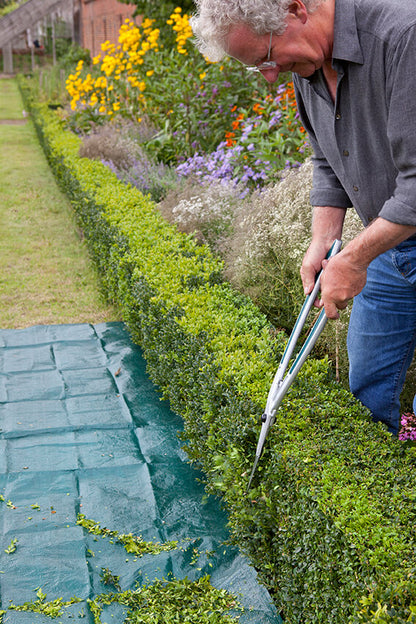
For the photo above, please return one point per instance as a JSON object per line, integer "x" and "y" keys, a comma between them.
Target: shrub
{"x": 330, "y": 521}
{"x": 111, "y": 143}
{"x": 119, "y": 146}
{"x": 208, "y": 213}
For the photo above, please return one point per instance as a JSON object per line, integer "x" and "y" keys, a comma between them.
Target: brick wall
{"x": 100, "y": 20}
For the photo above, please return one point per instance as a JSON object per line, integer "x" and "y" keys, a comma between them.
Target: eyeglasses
{"x": 266, "y": 64}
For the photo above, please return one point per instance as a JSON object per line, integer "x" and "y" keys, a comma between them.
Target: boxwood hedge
{"x": 330, "y": 522}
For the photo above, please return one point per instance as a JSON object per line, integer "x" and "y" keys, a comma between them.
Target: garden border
{"x": 330, "y": 523}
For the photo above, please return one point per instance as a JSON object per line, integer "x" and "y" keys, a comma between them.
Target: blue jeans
{"x": 382, "y": 333}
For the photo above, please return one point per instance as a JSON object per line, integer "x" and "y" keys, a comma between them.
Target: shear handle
{"x": 300, "y": 322}
{"x": 277, "y": 394}
{"x": 280, "y": 383}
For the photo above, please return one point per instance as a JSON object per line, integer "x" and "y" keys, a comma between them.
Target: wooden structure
{"x": 91, "y": 22}
{"x": 21, "y": 22}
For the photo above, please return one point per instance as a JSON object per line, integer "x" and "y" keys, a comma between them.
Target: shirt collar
{"x": 346, "y": 41}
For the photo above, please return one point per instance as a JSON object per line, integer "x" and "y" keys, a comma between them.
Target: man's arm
{"x": 346, "y": 273}
{"x": 327, "y": 223}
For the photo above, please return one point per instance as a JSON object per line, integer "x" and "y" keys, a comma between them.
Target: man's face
{"x": 301, "y": 48}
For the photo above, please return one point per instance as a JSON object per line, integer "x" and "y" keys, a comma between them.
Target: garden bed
{"x": 330, "y": 522}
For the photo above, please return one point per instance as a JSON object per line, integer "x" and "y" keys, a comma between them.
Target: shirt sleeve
{"x": 401, "y": 128}
{"x": 327, "y": 190}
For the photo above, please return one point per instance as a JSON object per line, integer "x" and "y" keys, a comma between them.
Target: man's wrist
{"x": 377, "y": 238}
{"x": 327, "y": 222}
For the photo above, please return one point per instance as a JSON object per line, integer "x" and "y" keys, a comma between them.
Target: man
{"x": 354, "y": 73}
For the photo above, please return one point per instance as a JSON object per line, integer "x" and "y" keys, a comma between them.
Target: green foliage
{"x": 193, "y": 102}
{"x": 166, "y": 601}
{"x": 108, "y": 578}
{"x": 169, "y": 602}
{"x": 133, "y": 544}
{"x": 71, "y": 55}
{"x": 12, "y": 546}
{"x": 7, "y": 6}
{"x": 330, "y": 521}
{"x": 269, "y": 132}
{"x": 162, "y": 602}
{"x": 50, "y": 608}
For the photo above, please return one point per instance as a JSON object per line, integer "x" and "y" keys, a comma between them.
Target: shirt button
{"x": 337, "y": 115}
{"x": 355, "y": 188}
{"x": 346, "y": 153}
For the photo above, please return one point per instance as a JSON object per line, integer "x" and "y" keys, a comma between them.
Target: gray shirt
{"x": 365, "y": 143}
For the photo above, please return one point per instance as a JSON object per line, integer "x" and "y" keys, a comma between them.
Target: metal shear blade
{"x": 281, "y": 383}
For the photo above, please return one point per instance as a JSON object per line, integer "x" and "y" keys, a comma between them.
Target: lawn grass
{"x": 11, "y": 105}
{"x": 46, "y": 276}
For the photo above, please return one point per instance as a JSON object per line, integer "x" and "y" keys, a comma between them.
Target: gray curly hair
{"x": 214, "y": 18}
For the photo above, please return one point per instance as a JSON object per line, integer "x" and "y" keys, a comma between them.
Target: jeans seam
{"x": 407, "y": 263}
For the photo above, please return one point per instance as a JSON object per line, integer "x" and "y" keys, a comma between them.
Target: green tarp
{"x": 83, "y": 430}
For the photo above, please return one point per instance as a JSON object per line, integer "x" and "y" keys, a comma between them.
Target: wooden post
{"x": 8, "y": 58}
{"x": 32, "y": 47}
{"x": 72, "y": 22}
{"x": 53, "y": 39}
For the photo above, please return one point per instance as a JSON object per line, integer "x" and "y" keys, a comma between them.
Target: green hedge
{"x": 330, "y": 522}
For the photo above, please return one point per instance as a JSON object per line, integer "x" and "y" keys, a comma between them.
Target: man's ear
{"x": 297, "y": 9}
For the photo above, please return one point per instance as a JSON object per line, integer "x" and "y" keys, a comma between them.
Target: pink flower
{"x": 408, "y": 427}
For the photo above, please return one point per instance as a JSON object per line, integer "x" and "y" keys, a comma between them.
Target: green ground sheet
{"x": 83, "y": 430}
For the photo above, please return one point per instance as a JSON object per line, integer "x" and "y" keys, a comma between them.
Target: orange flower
{"x": 229, "y": 139}
{"x": 237, "y": 122}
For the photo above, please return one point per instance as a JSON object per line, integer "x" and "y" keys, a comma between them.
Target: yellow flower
{"x": 101, "y": 82}
{"x": 180, "y": 24}
{"x": 147, "y": 22}
{"x": 150, "y": 72}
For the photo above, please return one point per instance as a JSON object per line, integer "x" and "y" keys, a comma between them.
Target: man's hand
{"x": 326, "y": 227}
{"x": 312, "y": 264}
{"x": 345, "y": 274}
{"x": 341, "y": 280}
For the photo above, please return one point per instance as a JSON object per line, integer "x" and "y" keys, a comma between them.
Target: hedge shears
{"x": 281, "y": 383}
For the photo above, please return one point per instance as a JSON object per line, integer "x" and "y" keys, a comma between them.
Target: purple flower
{"x": 408, "y": 427}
